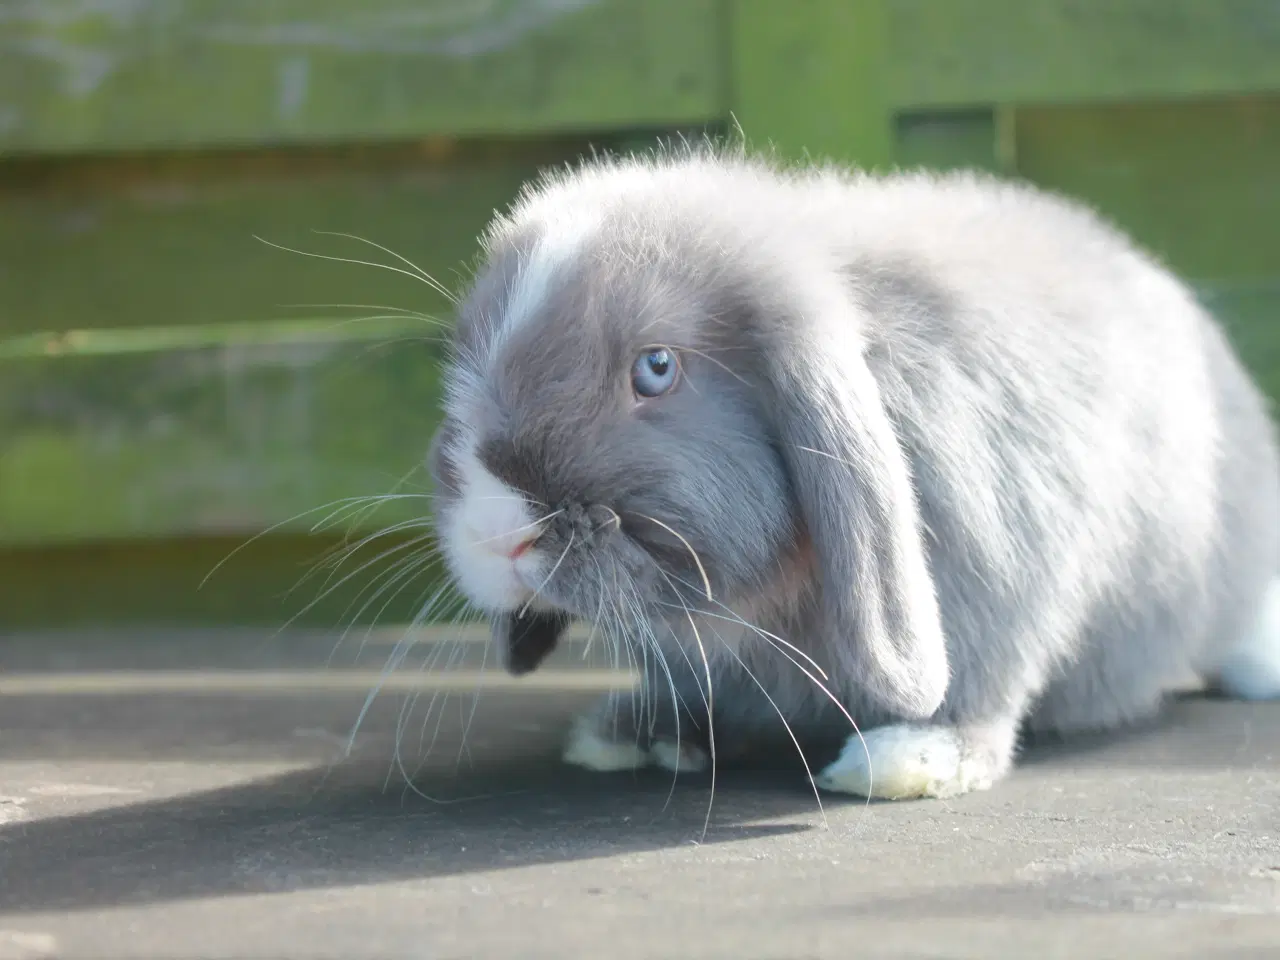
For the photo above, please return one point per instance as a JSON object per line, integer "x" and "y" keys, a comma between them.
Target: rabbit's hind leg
{"x": 1118, "y": 676}
{"x": 1251, "y": 668}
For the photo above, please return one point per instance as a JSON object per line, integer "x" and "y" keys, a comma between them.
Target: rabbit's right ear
{"x": 854, "y": 492}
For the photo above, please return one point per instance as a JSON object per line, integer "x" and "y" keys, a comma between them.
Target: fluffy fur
{"x": 949, "y": 455}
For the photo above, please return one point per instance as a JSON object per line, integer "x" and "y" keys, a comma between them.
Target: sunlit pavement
{"x": 200, "y": 794}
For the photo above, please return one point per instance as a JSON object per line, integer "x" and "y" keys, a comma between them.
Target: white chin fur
{"x": 481, "y": 529}
{"x": 1251, "y": 670}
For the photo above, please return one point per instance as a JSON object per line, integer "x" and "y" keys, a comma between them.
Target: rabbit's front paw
{"x": 909, "y": 762}
{"x": 590, "y": 747}
{"x": 678, "y": 756}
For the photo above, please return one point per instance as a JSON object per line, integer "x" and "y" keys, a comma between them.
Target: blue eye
{"x": 654, "y": 372}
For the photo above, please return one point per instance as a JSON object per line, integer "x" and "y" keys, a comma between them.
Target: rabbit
{"x": 907, "y": 463}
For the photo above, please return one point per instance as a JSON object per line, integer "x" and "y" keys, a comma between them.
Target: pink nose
{"x": 519, "y": 550}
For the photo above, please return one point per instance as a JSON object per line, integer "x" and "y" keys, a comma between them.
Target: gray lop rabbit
{"x": 939, "y": 455}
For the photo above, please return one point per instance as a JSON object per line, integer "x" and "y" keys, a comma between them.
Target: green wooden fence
{"x": 169, "y": 386}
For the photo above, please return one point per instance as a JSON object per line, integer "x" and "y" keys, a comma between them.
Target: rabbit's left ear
{"x": 854, "y": 493}
{"x": 527, "y": 640}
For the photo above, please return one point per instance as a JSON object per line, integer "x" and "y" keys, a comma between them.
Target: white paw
{"x": 678, "y": 757}
{"x": 903, "y": 762}
{"x": 587, "y": 747}
{"x": 1252, "y": 670}
{"x": 1250, "y": 675}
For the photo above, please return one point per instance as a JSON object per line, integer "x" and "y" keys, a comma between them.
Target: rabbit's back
{"x": 1095, "y": 469}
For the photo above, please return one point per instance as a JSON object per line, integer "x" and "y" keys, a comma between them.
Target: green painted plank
{"x": 133, "y": 74}
{"x": 1251, "y": 314}
{"x": 807, "y": 78}
{"x": 1197, "y": 182}
{"x": 227, "y": 438}
{"x": 969, "y": 52}
{"x": 171, "y": 241}
{"x": 948, "y": 140}
{"x": 269, "y": 583}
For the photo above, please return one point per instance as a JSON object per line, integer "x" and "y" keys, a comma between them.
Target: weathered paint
{"x": 130, "y": 74}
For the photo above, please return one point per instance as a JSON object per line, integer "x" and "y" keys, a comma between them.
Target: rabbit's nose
{"x": 518, "y": 550}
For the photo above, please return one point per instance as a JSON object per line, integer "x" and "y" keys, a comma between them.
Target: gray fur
{"x": 955, "y": 439}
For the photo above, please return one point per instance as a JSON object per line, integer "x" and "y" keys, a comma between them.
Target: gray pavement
{"x": 186, "y": 794}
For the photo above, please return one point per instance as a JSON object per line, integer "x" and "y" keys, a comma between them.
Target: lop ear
{"x": 528, "y": 640}
{"x": 855, "y": 495}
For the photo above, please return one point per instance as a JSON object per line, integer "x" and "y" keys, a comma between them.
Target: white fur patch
{"x": 587, "y": 747}
{"x": 561, "y": 240}
{"x": 903, "y": 762}
{"x": 679, "y": 757}
{"x": 1251, "y": 671}
{"x": 489, "y": 520}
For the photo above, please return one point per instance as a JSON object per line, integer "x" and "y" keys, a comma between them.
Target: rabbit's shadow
{"x": 322, "y": 825}
{"x": 317, "y": 826}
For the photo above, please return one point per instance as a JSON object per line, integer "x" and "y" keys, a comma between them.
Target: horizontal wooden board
{"x": 972, "y": 52}
{"x": 145, "y": 74}
{"x": 1197, "y": 182}
{"x": 948, "y": 140}
{"x": 273, "y": 581}
{"x": 808, "y": 78}
{"x": 227, "y": 438}
{"x": 179, "y": 241}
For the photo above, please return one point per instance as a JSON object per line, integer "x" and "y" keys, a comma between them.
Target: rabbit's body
{"x": 1000, "y": 466}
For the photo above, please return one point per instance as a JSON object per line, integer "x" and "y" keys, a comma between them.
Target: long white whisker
{"x": 362, "y": 513}
{"x": 398, "y": 653}
{"x": 411, "y": 567}
{"x": 429, "y": 666}
{"x": 786, "y": 726}
{"x": 532, "y": 525}
{"x": 475, "y": 703}
{"x": 778, "y": 644}
{"x": 398, "y": 759}
{"x": 735, "y": 618}
{"x": 334, "y": 559}
{"x": 710, "y": 701}
{"x": 354, "y": 573}
{"x": 839, "y": 706}
{"x": 456, "y": 651}
{"x": 358, "y": 511}
{"x": 595, "y": 623}
{"x": 718, "y": 363}
{"x": 410, "y": 523}
{"x": 706, "y": 581}
{"x": 418, "y": 271}
{"x": 547, "y": 578}
{"x": 677, "y": 702}
{"x": 398, "y": 571}
{"x": 361, "y": 263}
{"x": 283, "y": 523}
{"x": 405, "y": 312}
{"x": 412, "y": 551}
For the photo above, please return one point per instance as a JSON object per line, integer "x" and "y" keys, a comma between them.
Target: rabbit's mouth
{"x": 530, "y": 637}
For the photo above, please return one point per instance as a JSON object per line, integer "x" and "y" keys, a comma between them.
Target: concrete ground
{"x": 185, "y": 795}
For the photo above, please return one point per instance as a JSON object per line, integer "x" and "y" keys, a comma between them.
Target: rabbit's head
{"x": 658, "y": 411}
